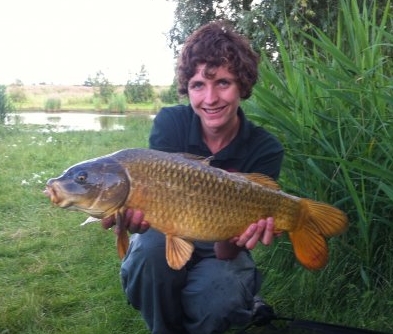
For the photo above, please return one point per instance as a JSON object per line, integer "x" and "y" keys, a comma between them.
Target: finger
{"x": 268, "y": 234}
{"x": 144, "y": 227}
{"x": 241, "y": 242}
{"x": 233, "y": 240}
{"x": 135, "y": 222}
{"x": 108, "y": 222}
{"x": 137, "y": 217}
{"x": 252, "y": 242}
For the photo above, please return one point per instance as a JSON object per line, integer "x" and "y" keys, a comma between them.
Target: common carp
{"x": 188, "y": 200}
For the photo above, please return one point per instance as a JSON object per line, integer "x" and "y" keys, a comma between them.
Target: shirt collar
{"x": 236, "y": 149}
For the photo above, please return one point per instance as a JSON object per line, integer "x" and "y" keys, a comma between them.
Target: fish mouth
{"x": 53, "y": 195}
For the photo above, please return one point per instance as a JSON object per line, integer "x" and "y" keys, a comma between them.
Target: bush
{"x": 139, "y": 89}
{"x": 170, "y": 95}
{"x": 117, "y": 103}
{"x": 52, "y": 104}
{"x": 5, "y": 104}
{"x": 103, "y": 88}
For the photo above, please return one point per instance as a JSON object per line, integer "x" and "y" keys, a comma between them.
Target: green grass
{"x": 56, "y": 276}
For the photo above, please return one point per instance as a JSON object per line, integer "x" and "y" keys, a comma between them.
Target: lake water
{"x": 69, "y": 121}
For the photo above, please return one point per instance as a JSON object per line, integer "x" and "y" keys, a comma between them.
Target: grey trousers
{"x": 206, "y": 296}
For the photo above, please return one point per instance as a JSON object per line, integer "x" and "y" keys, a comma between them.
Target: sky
{"x": 66, "y": 41}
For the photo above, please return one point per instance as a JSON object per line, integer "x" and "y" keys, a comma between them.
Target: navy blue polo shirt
{"x": 253, "y": 150}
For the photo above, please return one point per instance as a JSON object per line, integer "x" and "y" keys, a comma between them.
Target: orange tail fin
{"x": 317, "y": 222}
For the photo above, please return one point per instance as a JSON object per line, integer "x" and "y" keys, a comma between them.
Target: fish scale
{"x": 188, "y": 200}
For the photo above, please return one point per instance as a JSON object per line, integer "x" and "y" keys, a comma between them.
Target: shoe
{"x": 262, "y": 313}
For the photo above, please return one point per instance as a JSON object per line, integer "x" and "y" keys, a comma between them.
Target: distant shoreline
{"x": 72, "y": 98}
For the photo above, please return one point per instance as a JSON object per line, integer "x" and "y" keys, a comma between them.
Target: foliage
{"x": 5, "y": 104}
{"x": 331, "y": 107}
{"x": 117, "y": 103}
{"x": 170, "y": 95}
{"x": 189, "y": 15}
{"x": 103, "y": 88}
{"x": 52, "y": 104}
{"x": 139, "y": 89}
{"x": 254, "y": 18}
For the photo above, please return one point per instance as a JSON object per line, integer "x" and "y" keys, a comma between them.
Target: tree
{"x": 189, "y": 15}
{"x": 254, "y": 18}
{"x": 103, "y": 88}
{"x": 139, "y": 89}
{"x": 170, "y": 95}
{"x": 5, "y": 104}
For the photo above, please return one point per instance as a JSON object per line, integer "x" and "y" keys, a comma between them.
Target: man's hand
{"x": 133, "y": 221}
{"x": 262, "y": 230}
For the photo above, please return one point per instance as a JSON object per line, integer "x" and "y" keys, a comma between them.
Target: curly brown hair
{"x": 217, "y": 44}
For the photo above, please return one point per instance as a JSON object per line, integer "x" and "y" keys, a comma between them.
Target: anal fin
{"x": 178, "y": 251}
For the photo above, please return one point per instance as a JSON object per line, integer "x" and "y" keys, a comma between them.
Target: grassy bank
{"x": 59, "y": 277}
{"x": 56, "y": 276}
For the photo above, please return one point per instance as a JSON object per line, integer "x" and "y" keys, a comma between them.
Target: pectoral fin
{"x": 178, "y": 251}
{"x": 122, "y": 241}
{"x": 90, "y": 220}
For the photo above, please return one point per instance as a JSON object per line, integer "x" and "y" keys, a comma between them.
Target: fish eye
{"x": 81, "y": 177}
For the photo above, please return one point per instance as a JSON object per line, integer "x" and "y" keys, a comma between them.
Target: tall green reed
{"x": 117, "y": 103}
{"x": 331, "y": 106}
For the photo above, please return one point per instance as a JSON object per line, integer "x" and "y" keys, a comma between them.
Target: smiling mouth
{"x": 212, "y": 111}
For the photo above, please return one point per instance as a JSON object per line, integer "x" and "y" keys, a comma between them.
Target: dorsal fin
{"x": 261, "y": 179}
{"x": 178, "y": 251}
{"x": 203, "y": 160}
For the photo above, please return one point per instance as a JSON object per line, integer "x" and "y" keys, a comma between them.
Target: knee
{"x": 145, "y": 255}
{"x": 216, "y": 315}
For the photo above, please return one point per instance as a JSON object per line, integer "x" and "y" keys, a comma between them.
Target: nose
{"x": 211, "y": 95}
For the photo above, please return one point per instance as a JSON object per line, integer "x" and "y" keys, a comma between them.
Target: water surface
{"x": 69, "y": 121}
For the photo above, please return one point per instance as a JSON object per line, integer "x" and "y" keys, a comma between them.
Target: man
{"x": 215, "y": 290}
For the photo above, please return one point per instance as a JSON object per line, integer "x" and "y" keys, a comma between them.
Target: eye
{"x": 195, "y": 85}
{"x": 81, "y": 177}
{"x": 223, "y": 83}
